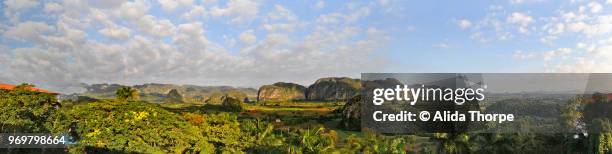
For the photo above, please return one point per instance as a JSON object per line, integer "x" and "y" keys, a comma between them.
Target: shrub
{"x": 232, "y": 104}
{"x": 22, "y": 110}
{"x": 135, "y": 127}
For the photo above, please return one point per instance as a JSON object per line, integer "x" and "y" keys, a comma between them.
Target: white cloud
{"x": 595, "y": 7}
{"x": 516, "y": 1}
{"x": 171, "y": 5}
{"x": 247, "y": 37}
{"x": 153, "y": 26}
{"x": 281, "y": 19}
{"x": 441, "y": 45}
{"x": 357, "y": 14}
{"x": 347, "y": 17}
{"x": 546, "y": 55}
{"x": 520, "y": 55}
{"x": 240, "y": 10}
{"x": 191, "y": 36}
{"x": 66, "y": 50}
{"x": 597, "y": 60}
{"x": 463, "y": 24}
{"x": 107, "y": 3}
{"x": 52, "y": 7}
{"x": 600, "y": 25}
{"x": 132, "y": 10}
{"x": 556, "y": 53}
{"x": 185, "y": 2}
{"x": 523, "y": 1}
{"x": 609, "y": 2}
{"x": 14, "y": 8}
{"x": 584, "y": 58}
{"x": 278, "y": 27}
{"x": 557, "y": 29}
{"x": 194, "y": 13}
{"x": 281, "y": 13}
{"x": 522, "y": 20}
{"x": 478, "y": 36}
{"x": 329, "y": 18}
{"x": 29, "y": 31}
{"x": 168, "y": 5}
{"x": 119, "y": 33}
{"x": 20, "y": 4}
{"x": 571, "y": 16}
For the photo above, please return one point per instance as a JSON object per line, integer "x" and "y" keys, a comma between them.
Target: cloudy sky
{"x": 60, "y": 44}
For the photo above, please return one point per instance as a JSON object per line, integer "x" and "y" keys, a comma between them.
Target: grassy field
{"x": 284, "y": 115}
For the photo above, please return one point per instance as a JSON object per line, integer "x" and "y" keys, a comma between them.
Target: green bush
{"x": 135, "y": 127}
{"x": 232, "y": 104}
{"x": 22, "y": 110}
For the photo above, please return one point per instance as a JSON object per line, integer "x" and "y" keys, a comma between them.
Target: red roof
{"x": 11, "y": 87}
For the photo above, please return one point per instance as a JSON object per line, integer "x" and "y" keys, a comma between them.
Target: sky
{"x": 59, "y": 45}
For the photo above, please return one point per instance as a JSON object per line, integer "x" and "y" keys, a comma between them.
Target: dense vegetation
{"x": 127, "y": 125}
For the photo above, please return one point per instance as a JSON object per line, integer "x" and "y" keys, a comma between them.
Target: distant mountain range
{"x": 156, "y": 92}
{"x": 324, "y": 89}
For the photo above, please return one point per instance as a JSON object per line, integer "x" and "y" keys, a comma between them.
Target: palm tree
{"x": 317, "y": 140}
{"x": 127, "y": 93}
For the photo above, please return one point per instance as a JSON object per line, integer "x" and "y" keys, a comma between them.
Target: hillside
{"x": 156, "y": 92}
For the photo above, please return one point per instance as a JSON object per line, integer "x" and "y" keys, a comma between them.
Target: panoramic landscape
{"x": 305, "y": 76}
{"x": 323, "y": 117}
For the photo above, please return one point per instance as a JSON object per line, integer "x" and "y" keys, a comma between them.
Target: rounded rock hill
{"x": 281, "y": 91}
{"x": 334, "y": 89}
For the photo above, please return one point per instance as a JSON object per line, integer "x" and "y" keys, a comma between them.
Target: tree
{"x": 600, "y": 141}
{"x": 23, "y": 110}
{"x": 135, "y": 127}
{"x": 492, "y": 143}
{"x": 232, "y": 104}
{"x": 452, "y": 142}
{"x": 126, "y": 93}
{"x": 317, "y": 140}
{"x": 571, "y": 114}
{"x": 573, "y": 125}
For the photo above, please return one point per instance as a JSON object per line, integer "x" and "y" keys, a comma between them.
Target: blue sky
{"x": 61, "y": 44}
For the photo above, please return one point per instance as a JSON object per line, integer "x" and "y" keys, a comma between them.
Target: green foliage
{"x": 599, "y": 108}
{"x": 126, "y": 93}
{"x": 130, "y": 127}
{"x": 601, "y": 140}
{"x": 222, "y": 130}
{"x": 571, "y": 114}
{"x": 317, "y": 140}
{"x": 491, "y": 143}
{"x": 452, "y": 143}
{"x": 232, "y": 104}
{"x": 217, "y": 97}
{"x": 593, "y": 114}
{"x": 351, "y": 114}
{"x": 22, "y": 110}
{"x": 372, "y": 142}
{"x": 263, "y": 137}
